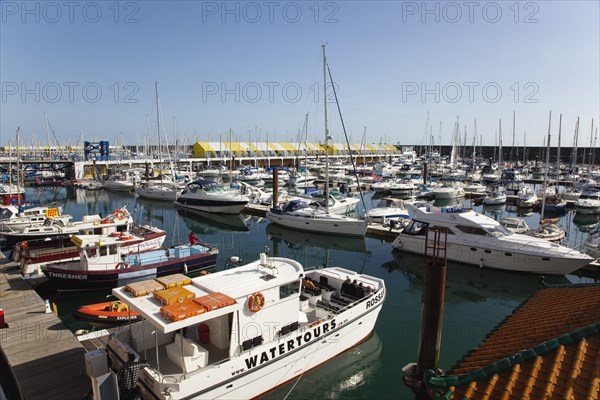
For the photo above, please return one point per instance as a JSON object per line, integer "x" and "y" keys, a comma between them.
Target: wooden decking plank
{"x": 46, "y": 358}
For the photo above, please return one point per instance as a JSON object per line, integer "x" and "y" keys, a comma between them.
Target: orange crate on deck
{"x": 173, "y": 295}
{"x": 223, "y": 298}
{"x": 173, "y": 280}
{"x": 143, "y": 287}
{"x": 214, "y": 301}
{"x": 183, "y": 310}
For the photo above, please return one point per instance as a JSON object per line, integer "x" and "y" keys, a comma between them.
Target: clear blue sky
{"x": 255, "y": 68}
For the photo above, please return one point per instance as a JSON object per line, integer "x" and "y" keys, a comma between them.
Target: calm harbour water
{"x": 475, "y": 300}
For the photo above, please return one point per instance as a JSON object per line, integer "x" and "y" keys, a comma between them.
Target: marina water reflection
{"x": 476, "y": 300}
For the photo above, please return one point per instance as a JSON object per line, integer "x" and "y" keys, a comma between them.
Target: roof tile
{"x": 549, "y": 348}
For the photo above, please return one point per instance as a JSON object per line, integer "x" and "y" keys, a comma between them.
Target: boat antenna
{"x": 347, "y": 142}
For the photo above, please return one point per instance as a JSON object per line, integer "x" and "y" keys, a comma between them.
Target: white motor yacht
{"x": 388, "y": 208}
{"x": 205, "y": 195}
{"x": 476, "y": 239}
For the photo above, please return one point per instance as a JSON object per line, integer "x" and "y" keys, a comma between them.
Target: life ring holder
{"x": 119, "y": 214}
{"x": 122, "y": 265}
{"x": 256, "y": 302}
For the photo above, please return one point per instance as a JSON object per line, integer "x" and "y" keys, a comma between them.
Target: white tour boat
{"x": 476, "y": 239}
{"x": 242, "y": 332}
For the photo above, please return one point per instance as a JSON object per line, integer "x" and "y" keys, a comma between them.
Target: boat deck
{"x": 45, "y": 358}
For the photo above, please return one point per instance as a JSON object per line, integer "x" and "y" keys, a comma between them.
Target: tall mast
{"x": 440, "y": 144}
{"x": 512, "y": 150}
{"x": 305, "y": 150}
{"x": 158, "y": 129}
{"x": 474, "y": 165}
{"x": 558, "y": 155}
{"x": 18, "y": 167}
{"x": 524, "y": 148}
{"x": 326, "y": 193}
{"x": 591, "y": 137}
{"x": 575, "y": 140}
{"x": 500, "y": 144}
{"x": 546, "y": 168}
{"x": 48, "y": 136}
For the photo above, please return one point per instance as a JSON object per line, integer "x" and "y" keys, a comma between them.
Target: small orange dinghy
{"x": 110, "y": 313}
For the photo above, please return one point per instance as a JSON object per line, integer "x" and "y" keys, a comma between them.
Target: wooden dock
{"x": 45, "y": 358}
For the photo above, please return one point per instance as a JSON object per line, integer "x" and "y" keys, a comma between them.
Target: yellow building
{"x": 285, "y": 149}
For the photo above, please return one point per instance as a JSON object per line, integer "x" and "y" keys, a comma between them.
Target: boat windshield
{"x": 499, "y": 231}
{"x": 295, "y": 205}
{"x": 214, "y": 188}
{"x": 5, "y": 213}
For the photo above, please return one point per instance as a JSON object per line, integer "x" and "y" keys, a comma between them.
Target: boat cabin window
{"x": 289, "y": 289}
{"x": 31, "y": 212}
{"x": 5, "y": 213}
{"x": 91, "y": 252}
{"x": 416, "y": 228}
{"x": 473, "y": 230}
{"x": 499, "y": 231}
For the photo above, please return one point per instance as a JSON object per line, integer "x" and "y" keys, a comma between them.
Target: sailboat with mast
{"x": 299, "y": 215}
{"x": 548, "y": 229}
{"x": 159, "y": 190}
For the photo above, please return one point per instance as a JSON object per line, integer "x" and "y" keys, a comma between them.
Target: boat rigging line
{"x": 337, "y": 103}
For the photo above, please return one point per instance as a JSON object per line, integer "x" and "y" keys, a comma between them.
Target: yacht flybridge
{"x": 476, "y": 239}
{"x": 240, "y": 332}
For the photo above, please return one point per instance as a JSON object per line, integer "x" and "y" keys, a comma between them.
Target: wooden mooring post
{"x": 432, "y": 304}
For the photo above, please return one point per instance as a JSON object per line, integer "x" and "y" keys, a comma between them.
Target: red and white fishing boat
{"x": 33, "y": 254}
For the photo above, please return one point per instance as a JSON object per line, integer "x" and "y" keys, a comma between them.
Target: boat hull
{"x": 215, "y": 206}
{"x": 343, "y": 227}
{"x": 157, "y": 193}
{"x": 65, "y": 279}
{"x": 448, "y": 194}
{"x": 515, "y": 258}
{"x": 593, "y": 210}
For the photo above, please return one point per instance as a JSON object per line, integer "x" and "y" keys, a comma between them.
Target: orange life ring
{"x": 256, "y": 302}
{"x": 115, "y": 234}
{"x": 122, "y": 265}
{"x": 120, "y": 214}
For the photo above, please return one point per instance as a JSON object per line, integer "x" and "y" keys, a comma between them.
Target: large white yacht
{"x": 476, "y": 239}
